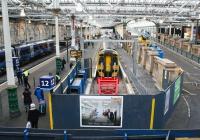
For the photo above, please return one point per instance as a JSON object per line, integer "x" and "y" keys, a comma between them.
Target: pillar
{"x": 82, "y": 44}
{"x": 58, "y": 59}
{"x": 170, "y": 29}
{"x": 192, "y": 32}
{"x": 12, "y": 89}
{"x": 73, "y": 32}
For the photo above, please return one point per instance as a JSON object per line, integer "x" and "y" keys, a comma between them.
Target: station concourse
{"x": 110, "y": 69}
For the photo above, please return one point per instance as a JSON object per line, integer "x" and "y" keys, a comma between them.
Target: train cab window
{"x": 101, "y": 59}
{"x": 115, "y": 59}
{"x": 2, "y": 57}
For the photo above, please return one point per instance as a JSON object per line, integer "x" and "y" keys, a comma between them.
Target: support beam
{"x": 192, "y": 31}
{"x": 7, "y": 44}
{"x": 57, "y": 37}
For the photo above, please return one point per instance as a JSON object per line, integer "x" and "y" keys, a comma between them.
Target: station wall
{"x": 22, "y": 31}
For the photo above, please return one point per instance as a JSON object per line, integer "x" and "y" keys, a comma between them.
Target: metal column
{"x": 12, "y": 89}
{"x": 82, "y": 45}
{"x": 7, "y": 44}
{"x": 57, "y": 37}
{"x": 170, "y": 29}
{"x": 192, "y": 32}
{"x": 73, "y": 32}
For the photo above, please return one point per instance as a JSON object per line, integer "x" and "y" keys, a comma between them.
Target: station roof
{"x": 107, "y": 12}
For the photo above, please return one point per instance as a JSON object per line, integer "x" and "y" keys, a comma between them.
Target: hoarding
{"x": 177, "y": 90}
{"x": 101, "y": 111}
{"x": 167, "y": 97}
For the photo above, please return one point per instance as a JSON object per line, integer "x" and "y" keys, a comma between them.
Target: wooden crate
{"x": 150, "y": 60}
{"x": 144, "y": 56}
{"x": 195, "y": 50}
{"x": 160, "y": 65}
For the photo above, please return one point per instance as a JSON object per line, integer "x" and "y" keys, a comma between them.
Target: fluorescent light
{"x": 79, "y": 7}
{"x": 188, "y": 25}
{"x": 161, "y": 21}
{"x": 46, "y": 23}
{"x": 22, "y": 13}
{"x": 29, "y": 21}
{"x": 90, "y": 17}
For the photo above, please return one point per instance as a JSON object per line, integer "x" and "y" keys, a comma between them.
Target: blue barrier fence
{"x": 139, "y": 106}
{"x": 64, "y": 86}
{"x": 90, "y": 134}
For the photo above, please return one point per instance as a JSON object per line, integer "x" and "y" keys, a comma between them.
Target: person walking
{"x": 20, "y": 76}
{"x": 39, "y": 94}
{"x": 57, "y": 78}
{"x": 33, "y": 116}
{"x": 63, "y": 63}
{"x": 27, "y": 99}
{"x": 25, "y": 75}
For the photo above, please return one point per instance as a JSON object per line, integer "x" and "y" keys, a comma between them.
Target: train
{"x": 108, "y": 63}
{"x": 31, "y": 51}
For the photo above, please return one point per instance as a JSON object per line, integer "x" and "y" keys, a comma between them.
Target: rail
{"x": 106, "y": 134}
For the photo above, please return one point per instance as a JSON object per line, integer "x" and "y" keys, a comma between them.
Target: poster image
{"x": 101, "y": 111}
{"x": 167, "y": 97}
{"x": 177, "y": 90}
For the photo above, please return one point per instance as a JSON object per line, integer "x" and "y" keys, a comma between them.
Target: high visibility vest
{"x": 26, "y": 73}
{"x": 58, "y": 77}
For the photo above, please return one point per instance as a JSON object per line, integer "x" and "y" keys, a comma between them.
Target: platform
{"x": 45, "y": 68}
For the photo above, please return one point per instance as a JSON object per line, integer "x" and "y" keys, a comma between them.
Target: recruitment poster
{"x": 167, "y": 97}
{"x": 177, "y": 90}
{"x": 101, "y": 111}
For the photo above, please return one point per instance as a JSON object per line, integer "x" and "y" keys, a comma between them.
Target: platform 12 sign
{"x": 47, "y": 82}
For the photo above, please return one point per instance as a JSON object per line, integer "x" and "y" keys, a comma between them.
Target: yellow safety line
{"x": 50, "y": 111}
{"x": 152, "y": 113}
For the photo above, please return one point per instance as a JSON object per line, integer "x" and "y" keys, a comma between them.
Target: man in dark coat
{"x": 20, "y": 76}
{"x": 33, "y": 116}
{"x": 63, "y": 63}
{"x": 27, "y": 99}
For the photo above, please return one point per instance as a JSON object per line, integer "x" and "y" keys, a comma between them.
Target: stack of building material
{"x": 195, "y": 50}
{"x": 150, "y": 60}
{"x": 162, "y": 38}
{"x": 161, "y": 65}
{"x": 186, "y": 46}
{"x": 144, "y": 56}
{"x": 172, "y": 41}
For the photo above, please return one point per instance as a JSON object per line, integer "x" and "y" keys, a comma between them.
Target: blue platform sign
{"x": 47, "y": 82}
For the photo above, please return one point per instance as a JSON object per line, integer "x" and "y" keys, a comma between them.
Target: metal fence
{"x": 182, "y": 52}
{"x": 91, "y": 134}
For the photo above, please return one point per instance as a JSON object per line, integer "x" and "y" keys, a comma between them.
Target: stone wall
{"x": 22, "y": 31}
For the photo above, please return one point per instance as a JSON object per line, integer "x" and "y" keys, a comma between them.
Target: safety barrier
{"x": 186, "y": 54}
{"x": 148, "y": 111}
{"x": 64, "y": 86}
{"x": 89, "y": 134}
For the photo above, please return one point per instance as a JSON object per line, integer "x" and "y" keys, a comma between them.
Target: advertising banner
{"x": 167, "y": 97}
{"x": 177, "y": 90}
{"x": 101, "y": 111}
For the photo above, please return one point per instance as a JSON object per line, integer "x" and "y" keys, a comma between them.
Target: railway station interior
{"x": 100, "y": 69}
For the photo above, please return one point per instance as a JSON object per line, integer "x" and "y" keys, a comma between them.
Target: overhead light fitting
{"x": 79, "y": 7}
{"x": 161, "y": 21}
{"x": 22, "y": 13}
{"x": 90, "y": 17}
{"x": 29, "y": 21}
{"x": 188, "y": 25}
{"x": 47, "y": 23}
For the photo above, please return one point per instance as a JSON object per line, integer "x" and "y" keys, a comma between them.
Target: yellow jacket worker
{"x": 26, "y": 83}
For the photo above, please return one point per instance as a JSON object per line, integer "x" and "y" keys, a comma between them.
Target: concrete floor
{"x": 187, "y": 112}
{"x": 21, "y": 121}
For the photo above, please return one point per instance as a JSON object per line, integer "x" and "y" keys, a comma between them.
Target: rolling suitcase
{"x": 42, "y": 107}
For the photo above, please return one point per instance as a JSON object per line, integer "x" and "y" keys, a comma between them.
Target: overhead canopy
{"x": 108, "y": 12}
